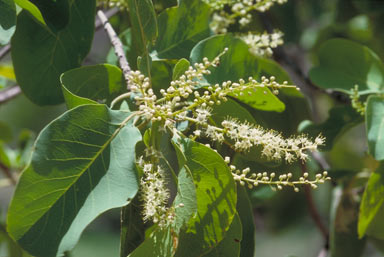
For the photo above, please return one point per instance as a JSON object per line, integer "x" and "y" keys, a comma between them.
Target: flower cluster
{"x": 355, "y": 101}
{"x": 244, "y": 177}
{"x": 121, "y": 4}
{"x": 262, "y": 44}
{"x": 240, "y": 10}
{"x": 155, "y": 195}
{"x": 188, "y": 98}
{"x": 274, "y": 146}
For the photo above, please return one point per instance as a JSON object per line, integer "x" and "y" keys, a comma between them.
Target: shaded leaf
{"x": 344, "y": 241}
{"x": 372, "y": 206}
{"x": 340, "y": 120}
{"x": 83, "y": 165}
{"x": 144, "y": 23}
{"x": 54, "y": 12}
{"x": 180, "y": 28}
{"x": 374, "y": 123}
{"x": 230, "y": 245}
{"x": 159, "y": 244}
{"x": 7, "y": 20}
{"x": 92, "y": 84}
{"x": 244, "y": 209}
{"x": 180, "y": 68}
{"x": 40, "y": 56}
{"x": 344, "y": 64}
{"x": 216, "y": 199}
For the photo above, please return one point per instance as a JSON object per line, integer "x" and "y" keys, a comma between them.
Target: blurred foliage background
{"x": 283, "y": 224}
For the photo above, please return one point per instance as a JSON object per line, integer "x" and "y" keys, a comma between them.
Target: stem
{"x": 7, "y": 173}
{"x": 9, "y": 93}
{"x": 5, "y": 50}
{"x": 312, "y": 208}
{"x": 117, "y": 46}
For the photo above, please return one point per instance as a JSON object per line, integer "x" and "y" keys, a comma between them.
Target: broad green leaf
{"x": 230, "y": 245}
{"x": 185, "y": 201}
{"x": 92, "y": 84}
{"x": 372, "y": 206}
{"x": 7, "y": 20}
{"x": 233, "y": 109}
{"x": 54, "y": 12}
{"x": 245, "y": 212}
{"x": 180, "y": 28}
{"x": 32, "y": 9}
{"x": 83, "y": 165}
{"x": 237, "y": 63}
{"x": 161, "y": 243}
{"x": 340, "y": 120}
{"x": 180, "y": 68}
{"x": 216, "y": 199}
{"x": 374, "y": 123}
{"x": 344, "y": 241}
{"x": 344, "y": 64}
{"x": 161, "y": 74}
{"x": 144, "y": 23}
{"x": 132, "y": 228}
{"x": 40, "y": 56}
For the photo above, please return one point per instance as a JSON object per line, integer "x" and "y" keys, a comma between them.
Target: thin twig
{"x": 5, "y": 50}
{"x": 117, "y": 46}
{"x": 7, "y": 172}
{"x": 312, "y": 208}
{"x": 11, "y": 92}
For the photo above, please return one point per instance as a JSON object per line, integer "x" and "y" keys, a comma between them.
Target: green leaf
{"x": 180, "y": 28}
{"x": 344, "y": 64}
{"x": 144, "y": 23}
{"x": 32, "y": 9}
{"x": 340, "y": 120}
{"x": 7, "y": 20}
{"x": 92, "y": 84}
{"x": 186, "y": 195}
{"x": 216, "y": 199}
{"x": 180, "y": 68}
{"x": 83, "y": 165}
{"x": 237, "y": 63}
{"x": 344, "y": 241}
{"x": 372, "y": 206}
{"x": 374, "y": 122}
{"x": 161, "y": 243}
{"x": 221, "y": 112}
{"x": 40, "y": 56}
{"x": 245, "y": 212}
{"x": 54, "y": 12}
{"x": 230, "y": 245}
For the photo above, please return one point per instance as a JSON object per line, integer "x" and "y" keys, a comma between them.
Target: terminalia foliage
{"x": 181, "y": 124}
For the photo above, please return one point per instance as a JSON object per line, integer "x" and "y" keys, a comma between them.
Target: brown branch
{"x": 117, "y": 46}
{"x": 7, "y": 172}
